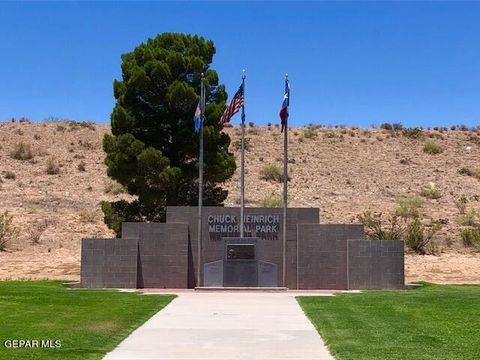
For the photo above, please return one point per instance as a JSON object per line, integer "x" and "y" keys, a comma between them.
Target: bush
{"x": 113, "y": 187}
{"x": 461, "y": 204}
{"x": 412, "y": 133}
{"x": 36, "y": 231}
{"x": 417, "y": 237}
{"x": 272, "y": 172}
{"x": 89, "y": 216}
{"x": 310, "y": 132}
{"x": 469, "y": 218}
{"x": 409, "y": 207}
{"x": 431, "y": 192}
{"x": 386, "y": 126}
{"x": 471, "y": 237}
{"x": 52, "y": 166}
{"x": 7, "y": 231}
{"x": 21, "y": 151}
{"x": 273, "y": 201}
{"x": 432, "y": 148}
{"x": 397, "y": 126}
{"x": 330, "y": 135}
{"x": 87, "y": 124}
{"x": 378, "y": 229}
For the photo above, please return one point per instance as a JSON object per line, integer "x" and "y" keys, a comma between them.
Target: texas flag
{"x": 286, "y": 102}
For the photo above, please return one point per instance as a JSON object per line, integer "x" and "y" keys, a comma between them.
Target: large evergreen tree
{"x": 153, "y": 150}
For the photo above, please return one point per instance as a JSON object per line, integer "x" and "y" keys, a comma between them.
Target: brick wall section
{"x": 375, "y": 264}
{"x": 162, "y": 254}
{"x": 322, "y": 254}
{"x": 109, "y": 263}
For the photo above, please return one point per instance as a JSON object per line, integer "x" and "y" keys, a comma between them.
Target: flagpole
{"x": 285, "y": 187}
{"x": 242, "y": 161}
{"x": 200, "y": 185}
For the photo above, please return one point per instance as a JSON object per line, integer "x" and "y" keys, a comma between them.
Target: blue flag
{"x": 198, "y": 116}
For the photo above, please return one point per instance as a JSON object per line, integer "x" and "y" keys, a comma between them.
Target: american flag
{"x": 235, "y": 105}
{"x": 285, "y": 104}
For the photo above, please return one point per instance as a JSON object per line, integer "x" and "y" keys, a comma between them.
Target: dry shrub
{"x": 36, "y": 231}
{"x": 469, "y": 218}
{"x": 21, "y": 151}
{"x": 471, "y": 237}
{"x": 409, "y": 207}
{"x": 7, "y": 230}
{"x": 272, "y": 172}
{"x": 431, "y": 192}
{"x": 89, "y": 216}
{"x": 412, "y": 133}
{"x": 273, "y": 201}
{"x": 330, "y": 135}
{"x": 418, "y": 236}
{"x": 310, "y": 132}
{"x": 52, "y": 166}
{"x": 379, "y": 228}
{"x": 88, "y": 125}
{"x": 461, "y": 204}
{"x": 113, "y": 187}
{"x": 432, "y": 148}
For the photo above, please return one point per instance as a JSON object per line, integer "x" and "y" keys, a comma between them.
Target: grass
{"x": 433, "y": 322}
{"x": 89, "y": 323}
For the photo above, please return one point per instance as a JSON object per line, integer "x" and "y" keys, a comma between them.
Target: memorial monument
{"x": 317, "y": 256}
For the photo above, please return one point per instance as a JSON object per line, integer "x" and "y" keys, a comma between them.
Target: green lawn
{"x": 432, "y": 322}
{"x": 89, "y": 323}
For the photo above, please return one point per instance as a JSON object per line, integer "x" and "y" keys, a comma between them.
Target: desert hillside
{"x": 52, "y": 178}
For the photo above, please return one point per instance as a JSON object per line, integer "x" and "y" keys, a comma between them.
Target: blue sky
{"x": 349, "y": 63}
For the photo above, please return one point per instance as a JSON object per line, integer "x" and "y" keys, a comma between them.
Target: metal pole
{"x": 200, "y": 185}
{"x": 285, "y": 186}
{"x": 242, "y": 160}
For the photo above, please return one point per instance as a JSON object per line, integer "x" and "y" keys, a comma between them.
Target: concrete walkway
{"x": 225, "y": 326}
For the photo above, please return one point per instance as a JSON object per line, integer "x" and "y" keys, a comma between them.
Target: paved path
{"x": 225, "y": 326}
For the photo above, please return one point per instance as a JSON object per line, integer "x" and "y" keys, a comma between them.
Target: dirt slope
{"x": 342, "y": 171}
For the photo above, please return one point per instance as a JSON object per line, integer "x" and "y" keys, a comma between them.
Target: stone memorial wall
{"x": 318, "y": 256}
